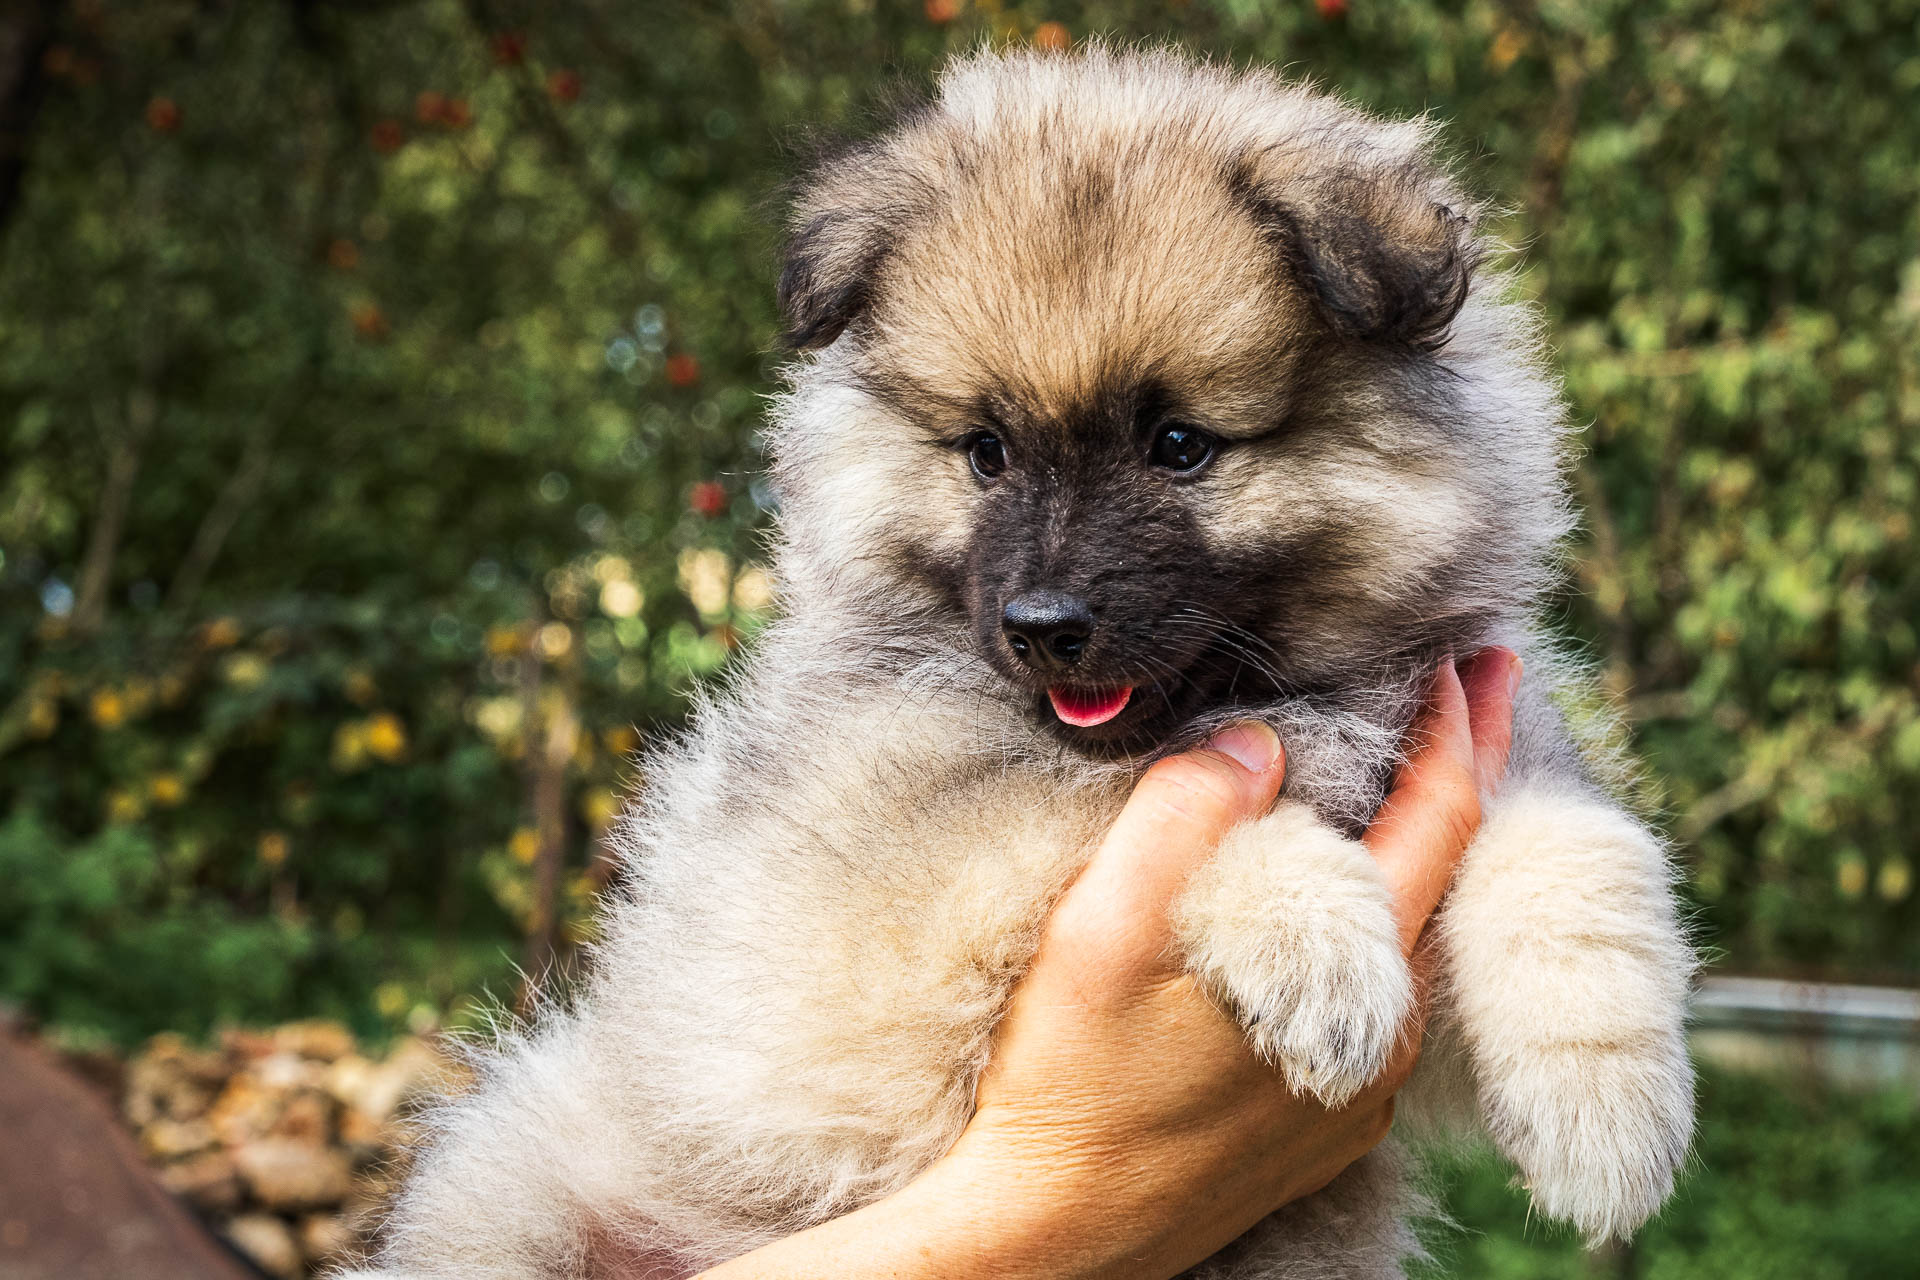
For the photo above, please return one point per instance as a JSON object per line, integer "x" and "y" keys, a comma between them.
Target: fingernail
{"x": 1251, "y": 743}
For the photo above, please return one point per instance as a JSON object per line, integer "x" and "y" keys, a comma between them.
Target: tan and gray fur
{"x": 836, "y": 875}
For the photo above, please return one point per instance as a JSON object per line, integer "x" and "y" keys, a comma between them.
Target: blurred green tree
{"x": 380, "y": 381}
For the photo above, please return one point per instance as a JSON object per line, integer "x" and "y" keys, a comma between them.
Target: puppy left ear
{"x": 828, "y": 277}
{"x": 1386, "y": 255}
{"x": 839, "y": 233}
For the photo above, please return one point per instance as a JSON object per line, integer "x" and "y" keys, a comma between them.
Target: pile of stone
{"x": 285, "y": 1140}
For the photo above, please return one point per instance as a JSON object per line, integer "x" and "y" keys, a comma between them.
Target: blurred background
{"x": 379, "y": 388}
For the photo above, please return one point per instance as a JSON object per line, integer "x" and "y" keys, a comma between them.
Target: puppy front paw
{"x": 1291, "y": 927}
{"x": 1598, "y": 1131}
{"x": 1568, "y": 972}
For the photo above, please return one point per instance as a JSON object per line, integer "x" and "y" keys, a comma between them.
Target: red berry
{"x": 708, "y": 498}
{"x": 1331, "y": 9}
{"x": 509, "y": 48}
{"x": 457, "y": 115}
{"x": 387, "y": 137}
{"x": 430, "y": 107}
{"x": 564, "y": 85}
{"x": 163, "y": 115}
{"x": 682, "y": 369}
{"x": 943, "y": 11}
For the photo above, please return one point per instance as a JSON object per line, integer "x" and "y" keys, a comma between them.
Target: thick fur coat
{"x": 1214, "y": 360}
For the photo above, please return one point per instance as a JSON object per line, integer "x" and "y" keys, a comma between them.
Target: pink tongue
{"x": 1084, "y": 709}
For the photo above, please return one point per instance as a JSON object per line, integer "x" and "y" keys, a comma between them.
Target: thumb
{"x": 1177, "y": 814}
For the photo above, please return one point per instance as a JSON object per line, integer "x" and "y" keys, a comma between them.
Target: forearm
{"x": 964, "y": 1218}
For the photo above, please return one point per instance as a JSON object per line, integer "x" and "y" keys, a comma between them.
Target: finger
{"x": 1170, "y": 825}
{"x": 1490, "y": 679}
{"x": 1424, "y": 964}
{"x": 1440, "y": 725}
{"x": 1431, "y": 814}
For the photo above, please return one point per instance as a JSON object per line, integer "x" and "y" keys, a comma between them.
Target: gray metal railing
{"x": 1864, "y": 1037}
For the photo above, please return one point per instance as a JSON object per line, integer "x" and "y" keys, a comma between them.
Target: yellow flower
{"x": 496, "y": 717}
{"x": 706, "y": 576}
{"x": 554, "y": 640}
{"x": 273, "y": 848}
{"x": 124, "y": 806}
{"x": 504, "y": 642}
{"x": 599, "y": 806}
{"x": 621, "y": 740}
{"x": 620, "y": 599}
{"x": 244, "y": 670}
{"x": 109, "y": 709}
{"x": 1851, "y": 876}
{"x": 166, "y": 789}
{"x": 611, "y": 569}
{"x": 752, "y": 590}
{"x": 1896, "y": 880}
{"x": 386, "y": 737}
{"x": 524, "y": 845}
{"x": 349, "y": 746}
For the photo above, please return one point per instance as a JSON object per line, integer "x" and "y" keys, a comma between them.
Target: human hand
{"x": 1116, "y": 1086}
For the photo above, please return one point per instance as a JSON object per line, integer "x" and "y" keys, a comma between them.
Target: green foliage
{"x": 378, "y": 388}
{"x": 94, "y": 931}
{"x": 1786, "y": 1184}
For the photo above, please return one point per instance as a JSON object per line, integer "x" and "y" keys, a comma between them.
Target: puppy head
{"x": 1171, "y": 386}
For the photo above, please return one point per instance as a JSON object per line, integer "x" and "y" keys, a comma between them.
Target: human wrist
{"x": 1029, "y": 1206}
{"x": 998, "y": 1208}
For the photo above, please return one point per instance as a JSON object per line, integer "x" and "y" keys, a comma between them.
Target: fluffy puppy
{"x": 1134, "y": 395}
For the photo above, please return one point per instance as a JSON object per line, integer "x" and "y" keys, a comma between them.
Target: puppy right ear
{"x": 845, "y": 216}
{"x": 849, "y": 211}
{"x": 832, "y": 255}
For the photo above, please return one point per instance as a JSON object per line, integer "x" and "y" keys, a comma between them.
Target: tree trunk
{"x": 25, "y": 34}
{"x": 110, "y": 516}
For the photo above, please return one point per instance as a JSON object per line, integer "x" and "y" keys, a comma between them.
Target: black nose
{"x": 1048, "y": 629}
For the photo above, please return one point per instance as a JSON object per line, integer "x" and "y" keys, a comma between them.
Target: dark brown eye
{"x": 987, "y": 454}
{"x": 1179, "y": 448}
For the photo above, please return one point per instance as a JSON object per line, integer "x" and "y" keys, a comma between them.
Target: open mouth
{"x": 1084, "y": 708}
{"x": 1130, "y": 703}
